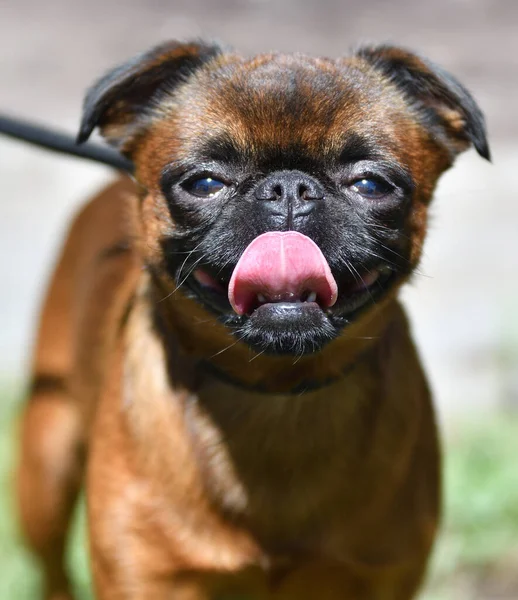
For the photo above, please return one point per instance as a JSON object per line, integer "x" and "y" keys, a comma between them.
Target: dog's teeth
{"x": 261, "y": 299}
{"x": 312, "y": 297}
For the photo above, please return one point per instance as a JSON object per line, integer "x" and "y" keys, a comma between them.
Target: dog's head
{"x": 286, "y": 194}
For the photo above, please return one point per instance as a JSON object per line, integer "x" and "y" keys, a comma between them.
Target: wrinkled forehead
{"x": 318, "y": 108}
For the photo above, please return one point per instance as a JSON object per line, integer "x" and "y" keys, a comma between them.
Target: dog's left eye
{"x": 370, "y": 188}
{"x": 205, "y": 187}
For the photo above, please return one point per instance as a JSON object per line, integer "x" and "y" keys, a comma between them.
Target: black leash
{"x": 63, "y": 143}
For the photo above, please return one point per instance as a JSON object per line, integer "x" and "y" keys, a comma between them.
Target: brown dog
{"x": 222, "y": 346}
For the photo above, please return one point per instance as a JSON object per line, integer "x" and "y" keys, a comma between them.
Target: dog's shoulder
{"x": 94, "y": 281}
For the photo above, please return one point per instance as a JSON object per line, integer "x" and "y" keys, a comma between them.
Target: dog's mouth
{"x": 282, "y": 284}
{"x": 281, "y": 267}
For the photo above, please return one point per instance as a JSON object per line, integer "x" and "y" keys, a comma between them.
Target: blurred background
{"x": 463, "y": 303}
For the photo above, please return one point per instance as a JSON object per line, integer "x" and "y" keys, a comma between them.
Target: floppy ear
{"x": 121, "y": 102}
{"x": 446, "y": 106}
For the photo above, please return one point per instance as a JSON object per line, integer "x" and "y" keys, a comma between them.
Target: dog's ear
{"x": 446, "y": 106}
{"x": 121, "y": 102}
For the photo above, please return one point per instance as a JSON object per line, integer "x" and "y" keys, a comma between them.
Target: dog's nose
{"x": 289, "y": 193}
{"x": 289, "y": 185}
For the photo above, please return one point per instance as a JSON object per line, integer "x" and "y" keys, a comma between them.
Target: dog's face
{"x": 286, "y": 194}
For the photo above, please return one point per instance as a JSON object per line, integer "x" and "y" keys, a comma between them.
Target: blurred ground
{"x": 463, "y": 302}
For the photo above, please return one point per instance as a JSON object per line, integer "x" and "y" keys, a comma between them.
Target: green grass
{"x": 19, "y": 575}
{"x": 478, "y": 543}
{"x": 479, "y": 540}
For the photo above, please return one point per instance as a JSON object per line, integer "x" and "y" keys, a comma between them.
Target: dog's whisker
{"x": 376, "y": 240}
{"x": 257, "y": 355}
{"x": 192, "y": 269}
{"x": 175, "y": 253}
{"x": 239, "y": 339}
{"x": 189, "y": 254}
{"x": 203, "y": 321}
{"x": 384, "y": 259}
{"x": 360, "y": 280}
{"x": 372, "y": 224}
{"x": 179, "y": 285}
{"x": 229, "y": 260}
{"x": 296, "y": 360}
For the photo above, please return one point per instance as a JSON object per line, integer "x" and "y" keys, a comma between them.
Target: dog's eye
{"x": 204, "y": 187}
{"x": 370, "y": 188}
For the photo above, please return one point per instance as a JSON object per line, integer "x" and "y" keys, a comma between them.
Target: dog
{"x": 222, "y": 357}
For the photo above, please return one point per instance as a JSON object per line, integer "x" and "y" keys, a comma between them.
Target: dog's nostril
{"x": 277, "y": 190}
{"x": 310, "y": 192}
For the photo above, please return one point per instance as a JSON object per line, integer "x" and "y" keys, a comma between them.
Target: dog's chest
{"x": 284, "y": 468}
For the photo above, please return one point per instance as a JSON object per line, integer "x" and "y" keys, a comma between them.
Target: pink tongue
{"x": 282, "y": 267}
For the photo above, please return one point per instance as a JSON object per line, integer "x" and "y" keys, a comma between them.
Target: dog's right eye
{"x": 205, "y": 187}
